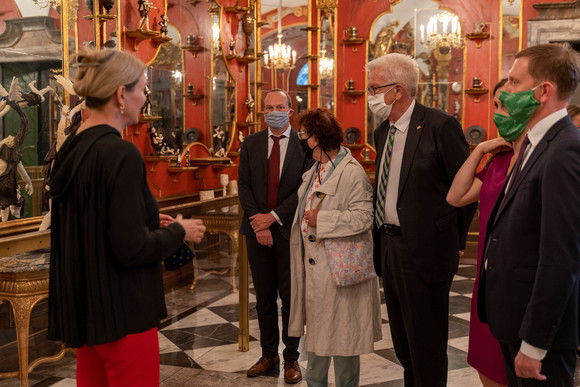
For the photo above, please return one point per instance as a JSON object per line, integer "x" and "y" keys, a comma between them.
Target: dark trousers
{"x": 558, "y": 366}
{"x": 418, "y": 316}
{"x": 271, "y": 276}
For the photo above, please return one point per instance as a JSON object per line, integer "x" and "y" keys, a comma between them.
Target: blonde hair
{"x": 102, "y": 72}
{"x": 573, "y": 110}
{"x": 397, "y": 68}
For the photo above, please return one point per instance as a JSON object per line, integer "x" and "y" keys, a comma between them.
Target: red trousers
{"x": 130, "y": 361}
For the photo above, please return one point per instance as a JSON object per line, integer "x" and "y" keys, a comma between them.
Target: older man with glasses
{"x": 417, "y": 234}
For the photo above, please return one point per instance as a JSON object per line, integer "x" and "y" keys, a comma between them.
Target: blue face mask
{"x": 276, "y": 120}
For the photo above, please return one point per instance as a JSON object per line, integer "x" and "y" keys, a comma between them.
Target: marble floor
{"x": 198, "y": 341}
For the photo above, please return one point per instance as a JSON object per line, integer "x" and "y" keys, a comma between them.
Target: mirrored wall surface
{"x": 510, "y": 34}
{"x": 223, "y": 93}
{"x": 31, "y": 101}
{"x": 433, "y": 37}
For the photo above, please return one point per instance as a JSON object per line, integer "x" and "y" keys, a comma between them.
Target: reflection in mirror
{"x": 438, "y": 51}
{"x": 30, "y": 51}
{"x": 165, "y": 78}
{"x": 294, "y": 18}
{"x": 223, "y": 95}
{"x": 510, "y": 39}
{"x": 326, "y": 62}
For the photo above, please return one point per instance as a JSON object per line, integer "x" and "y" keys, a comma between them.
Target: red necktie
{"x": 274, "y": 173}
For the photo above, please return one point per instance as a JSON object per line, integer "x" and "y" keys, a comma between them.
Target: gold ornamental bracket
{"x": 327, "y": 6}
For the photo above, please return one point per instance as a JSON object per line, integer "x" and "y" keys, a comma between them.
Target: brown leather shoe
{"x": 263, "y": 365}
{"x": 292, "y": 373}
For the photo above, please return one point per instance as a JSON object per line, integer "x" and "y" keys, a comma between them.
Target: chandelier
{"x": 325, "y": 65}
{"x": 280, "y": 57}
{"x": 47, "y": 3}
{"x": 445, "y": 37}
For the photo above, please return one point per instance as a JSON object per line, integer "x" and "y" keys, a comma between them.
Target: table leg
{"x": 22, "y": 307}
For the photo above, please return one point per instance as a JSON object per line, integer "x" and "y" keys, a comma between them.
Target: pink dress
{"x": 484, "y": 353}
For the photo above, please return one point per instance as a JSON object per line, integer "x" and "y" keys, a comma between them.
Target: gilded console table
{"x": 224, "y": 220}
{"x": 23, "y": 283}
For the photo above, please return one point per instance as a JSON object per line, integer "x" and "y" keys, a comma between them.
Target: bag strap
{"x": 320, "y": 202}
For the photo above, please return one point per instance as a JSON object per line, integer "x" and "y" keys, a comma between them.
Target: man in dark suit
{"x": 528, "y": 290}
{"x": 417, "y": 234}
{"x": 270, "y": 172}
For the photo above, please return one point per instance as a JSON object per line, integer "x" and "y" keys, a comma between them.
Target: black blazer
{"x": 253, "y": 181}
{"x": 530, "y": 288}
{"x": 433, "y": 230}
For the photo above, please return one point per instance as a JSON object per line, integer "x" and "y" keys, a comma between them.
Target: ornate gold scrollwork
{"x": 327, "y": 6}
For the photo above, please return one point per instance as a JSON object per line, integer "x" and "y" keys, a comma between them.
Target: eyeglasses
{"x": 373, "y": 90}
{"x": 302, "y": 135}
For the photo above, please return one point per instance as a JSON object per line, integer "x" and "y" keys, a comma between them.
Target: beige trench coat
{"x": 339, "y": 321}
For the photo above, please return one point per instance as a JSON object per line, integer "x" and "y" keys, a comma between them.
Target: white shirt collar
{"x": 402, "y": 124}
{"x": 541, "y": 128}
{"x": 286, "y": 132}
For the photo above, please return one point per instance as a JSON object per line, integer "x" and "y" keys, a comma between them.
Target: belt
{"x": 392, "y": 230}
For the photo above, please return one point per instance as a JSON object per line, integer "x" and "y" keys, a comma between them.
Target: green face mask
{"x": 507, "y": 127}
{"x": 520, "y": 107}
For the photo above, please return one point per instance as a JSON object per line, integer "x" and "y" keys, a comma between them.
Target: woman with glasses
{"x": 334, "y": 201}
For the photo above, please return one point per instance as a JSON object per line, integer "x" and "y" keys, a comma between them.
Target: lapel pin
{"x": 419, "y": 127}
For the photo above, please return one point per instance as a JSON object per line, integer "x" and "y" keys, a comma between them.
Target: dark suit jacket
{"x": 253, "y": 181}
{"x": 433, "y": 230}
{"x": 530, "y": 288}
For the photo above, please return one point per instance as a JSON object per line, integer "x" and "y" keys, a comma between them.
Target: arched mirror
{"x": 165, "y": 94}
{"x": 326, "y": 60}
{"x": 432, "y": 36}
{"x": 30, "y": 56}
{"x": 285, "y": 25}
{"x": 222, "y": 90}
{"x": 510, "y": 35}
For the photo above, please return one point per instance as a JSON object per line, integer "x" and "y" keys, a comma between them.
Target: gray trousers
{"x": 346, "y": 370}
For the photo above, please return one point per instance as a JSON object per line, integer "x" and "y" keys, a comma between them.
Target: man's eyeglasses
{"x": 373, "y": 90}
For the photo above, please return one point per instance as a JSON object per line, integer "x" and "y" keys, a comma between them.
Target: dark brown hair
{"x": 556, "y": 63}
{"x": 321, "y": 124}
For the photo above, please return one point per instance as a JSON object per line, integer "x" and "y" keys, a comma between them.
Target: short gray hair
{"x": 397, "y": 68}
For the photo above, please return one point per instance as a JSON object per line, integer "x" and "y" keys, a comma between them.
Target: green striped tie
{"x": 384, "y": 178}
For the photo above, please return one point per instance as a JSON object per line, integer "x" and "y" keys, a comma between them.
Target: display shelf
{"x": 194, "y": 97}
{"x": 353, "y": 94}
{"x": 162, "y": 39}
{"x": 353, "y": 42}
{"x": 243, "y": 124}
{"x": 139, "y": 35}
{"x": 478, "y": 37}
{"x": 354, "y": 146}
{"x": 194, "y": 49}
{"x": 101, "y": 17}
{"x": 154, "y": 160}
{"x": 476, "y": 93}
{"x": 178, "y": 170}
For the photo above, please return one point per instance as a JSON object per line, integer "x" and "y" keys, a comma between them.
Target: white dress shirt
{"x": 402, "y": 125}
{"x": 536, "y": 134}
{"x": 283, "y": 142}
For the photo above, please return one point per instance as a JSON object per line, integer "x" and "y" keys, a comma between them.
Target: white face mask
{"x": 378, "y": 106}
